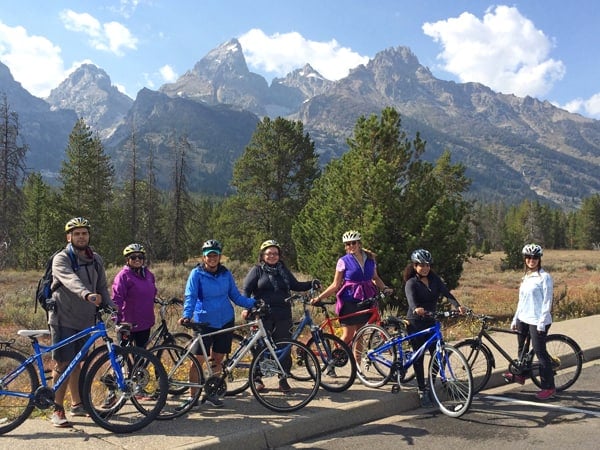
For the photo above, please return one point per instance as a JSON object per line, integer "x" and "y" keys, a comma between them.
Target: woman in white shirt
{"x": 533, "y": 317}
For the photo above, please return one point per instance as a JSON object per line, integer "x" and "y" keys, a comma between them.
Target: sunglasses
{"x": 134, "y": 257}
{"x": 271, "y": 254}
{"x": 347, "y": 244}
{"x": 532, "y": 257}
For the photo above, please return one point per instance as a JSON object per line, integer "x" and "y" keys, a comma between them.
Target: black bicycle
{"x": 563, "y": 350}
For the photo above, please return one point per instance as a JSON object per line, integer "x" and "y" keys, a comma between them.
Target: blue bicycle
{"x": 131, "y": 378}
{"x": 381, "y": 359}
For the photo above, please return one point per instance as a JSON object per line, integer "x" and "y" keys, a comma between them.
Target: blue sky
{"x": 547, "y": 49}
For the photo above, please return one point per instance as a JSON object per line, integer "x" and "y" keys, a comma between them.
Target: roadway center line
{"x": 545, "y": 405}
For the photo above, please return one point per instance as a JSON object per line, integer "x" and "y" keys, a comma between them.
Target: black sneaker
{"x": 214, "y": 400}
{"x": 284, "y": 386}
{"x": 186, "y": 403}
{"x": 425, "y": 397}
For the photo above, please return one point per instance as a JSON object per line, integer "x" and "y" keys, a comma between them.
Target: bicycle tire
{"x": 179, "y": 339}
{"x": 565, "y": 354}
{"x": 141, "y": 401}
{"x": 15, "y": 410}
{"x": 302, "y": 388}
{"x": 338, "y": 367}
{"x": 179, "y": 376}
{"x": 238, "y": 380}
{"x": 450, "y": 381}
{"x": 87, "y": 362}
{"x": 373, "y": 373}
{"x": 480, "y": 359}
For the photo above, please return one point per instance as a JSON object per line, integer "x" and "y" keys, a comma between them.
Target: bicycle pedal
{"x": 395, "y": 388}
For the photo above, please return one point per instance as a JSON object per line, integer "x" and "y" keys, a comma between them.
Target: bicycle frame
{"x": 95, "y": 332}
{"x": 260, "y": 335}
{"x": 484, "y": 333}
{"x": 435, "y": 336}
{"x": 327, "y": 324}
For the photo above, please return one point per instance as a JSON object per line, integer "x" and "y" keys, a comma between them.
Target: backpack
{"x": 44, "y": 291}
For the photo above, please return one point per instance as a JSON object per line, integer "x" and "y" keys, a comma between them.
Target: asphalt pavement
{"x": 244, "y": 424}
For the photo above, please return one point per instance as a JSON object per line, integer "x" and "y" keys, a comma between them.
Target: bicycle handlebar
{"x": 171, "y": 301}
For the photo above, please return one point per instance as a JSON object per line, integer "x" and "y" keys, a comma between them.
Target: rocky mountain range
{"x": 513, "y": 148}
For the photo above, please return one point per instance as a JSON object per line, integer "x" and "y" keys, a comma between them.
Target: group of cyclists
{"x": 211, "y": 291}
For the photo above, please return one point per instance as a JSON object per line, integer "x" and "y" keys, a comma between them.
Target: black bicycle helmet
{"x": 421, "y": 256}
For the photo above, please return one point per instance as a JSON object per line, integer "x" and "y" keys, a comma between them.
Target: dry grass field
{"x": 483, "y": 287}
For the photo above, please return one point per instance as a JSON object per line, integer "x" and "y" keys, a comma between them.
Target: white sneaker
{"x": 59, "y": 419}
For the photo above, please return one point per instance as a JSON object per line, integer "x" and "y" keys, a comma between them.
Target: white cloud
{"x": 111, "y": 37}
{"x": 167, "y": 73}
{"x": 503, "y": 51}
{"x": 34, "y": 61}
{"x": 280, "y": 54}
{"x": 589, "y": 107}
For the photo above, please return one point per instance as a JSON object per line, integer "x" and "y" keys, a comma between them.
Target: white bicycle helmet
{"x": 532, "y": 250}
{"x": 134, "y": 248}
{"x": 351, "y": 235}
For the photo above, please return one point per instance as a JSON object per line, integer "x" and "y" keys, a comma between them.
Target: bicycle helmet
{"x": 351, "y": 235}
{"x": 532, "y": 250}
{"x": 77, "y": 222}
{"x": 212, "y": 246}
{"x": 134, "y": 248}
{"x": 270, "y": 243}
{"x": 421, "y": 256}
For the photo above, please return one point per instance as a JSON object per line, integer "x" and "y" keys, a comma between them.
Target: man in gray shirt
{"x": 79, "y": 286}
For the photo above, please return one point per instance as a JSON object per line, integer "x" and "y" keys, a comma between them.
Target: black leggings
{"x": 538, "y": 342}
{"x": 413, "y": 327}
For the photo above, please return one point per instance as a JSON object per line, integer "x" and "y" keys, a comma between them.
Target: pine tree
{"x": 12, "y": 172}
{"x": 272, "y": 179}
{"x": 87, "y": 176}
{"x": 398, "y": 202}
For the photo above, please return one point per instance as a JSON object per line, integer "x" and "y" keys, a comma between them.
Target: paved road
{"x": 508, "y": 416}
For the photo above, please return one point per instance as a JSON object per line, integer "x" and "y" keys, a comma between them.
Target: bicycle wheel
{"x": 338, "y": 367}
{"x": 238, "y": 379}
{"x": 567, "y": 361}
{"x": 131, "y": 409}
{"x": 480, "y": 359}
{"x": 373, "y": 373}
{"x": 87, "y": 363}
{"x": 451, "y": 381}
{"x": 289, "y": 390}
{"x": 16, "y": 399}
{"x": 180, "y": 371}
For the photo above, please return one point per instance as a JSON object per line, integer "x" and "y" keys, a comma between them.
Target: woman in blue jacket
{"x": 209, "y": 291}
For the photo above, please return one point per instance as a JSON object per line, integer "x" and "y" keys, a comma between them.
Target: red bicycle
{"x": 388, "y": 328}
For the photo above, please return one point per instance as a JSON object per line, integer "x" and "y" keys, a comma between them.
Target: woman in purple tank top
{"x": 355, "y": 279}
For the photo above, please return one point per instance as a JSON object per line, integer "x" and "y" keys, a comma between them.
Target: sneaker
{"x": 260, "y": 386}
{"x": 425, "y": 398}
{"x": 213, "y": 400}
{"x": 510, "y": 378}
{"x": 184, "y": 404}
{"x": 284, "y": 386}
{"x": 59, "y": 419}
{"x": 331, "y": 372}
{"x": 545, "y": 394}
{"x": 109, "y": 401}
{"x": 78, "y": 410}
{"x": 145, "y": 396}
